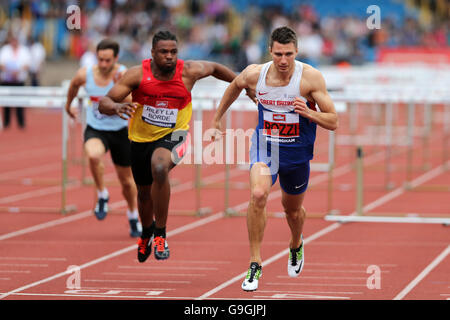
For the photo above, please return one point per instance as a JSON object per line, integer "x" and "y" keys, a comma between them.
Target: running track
{"x": 209, "y": 255}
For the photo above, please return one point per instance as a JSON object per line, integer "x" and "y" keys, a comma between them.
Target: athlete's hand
{"x": 215, "y": 133}
{"x": 301, "y": 108}
{"x": 125, "y": 110}
{"x": 72, "y": 111}
{"x": 251, "y": 94}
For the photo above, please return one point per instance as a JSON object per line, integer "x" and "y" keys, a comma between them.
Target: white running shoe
{"x": 254, "y": 273}
{"x": 296, "y": 261}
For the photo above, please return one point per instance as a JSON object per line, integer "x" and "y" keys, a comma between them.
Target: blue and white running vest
{"x": 94, "y": 118}
{"x": 278, "y": 123}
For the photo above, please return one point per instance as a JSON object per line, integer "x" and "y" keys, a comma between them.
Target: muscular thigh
{"x": 95, "y": 143}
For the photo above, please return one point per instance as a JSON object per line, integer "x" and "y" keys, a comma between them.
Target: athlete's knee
{"x": 259, "y": 197}
{"x": 295, "y": 212}
{"x": 128, "y": 184}
{"x": 160, "y": 170}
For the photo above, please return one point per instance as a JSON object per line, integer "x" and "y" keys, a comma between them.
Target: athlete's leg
{"x": 260, "y": 183}
{"x": 145, "y": 205}
{"x": 161, "y": 164}
{"x": 129, "y": 190}
{"x": 295, "y": 216}
{"x": 95, "y": 151}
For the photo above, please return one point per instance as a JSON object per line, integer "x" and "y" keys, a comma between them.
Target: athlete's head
{"x": 107, "y": 55}
{"x": 283, "y": 48}
{"x": 165, "y": 50}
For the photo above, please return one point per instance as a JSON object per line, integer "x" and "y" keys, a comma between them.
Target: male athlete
{"x": 160, "y": 114}
{"x": 105, "y": 133}
{"x": 282, "y": 144}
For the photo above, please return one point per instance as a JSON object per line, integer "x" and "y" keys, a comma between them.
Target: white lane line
{"x": 101, "y": 296}
{"x": 351, "y": 264}
{"x": 32, "y": 170}
{"x": 305, "y": 292}
{"x": 316, "y": 235}
{"x": 126, "y": 289}
{"x": 167, "y": 268}
{"x": 30, "y": 154}
{"x": 284, "y": 296}
{"x": 139, "y": 281}
{"x": 33, "y": 258}
{"x": 46, "y": 191}
{"x": 325, "y": 277}
{"x": 114, "y": 254}
{"x": 315, "y": 284}
{"x": 24, "y": 265}
{"x": 153, "y": 274}
{"x": 423, "y": 274}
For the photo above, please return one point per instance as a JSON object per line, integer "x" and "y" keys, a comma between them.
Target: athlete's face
{"x": 165, "y": 55}
{"x": 106, "y": 60}
{"x": 283, "y": 56}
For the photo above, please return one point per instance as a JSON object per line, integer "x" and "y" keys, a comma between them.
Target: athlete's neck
{"x": 105, "y": 74}
{"x": 161, "y": 74}
{"x": 278, "y": 77}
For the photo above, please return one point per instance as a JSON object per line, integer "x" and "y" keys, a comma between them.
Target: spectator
{"x": 37, "y": 53}
{"x": 15, "y": 62}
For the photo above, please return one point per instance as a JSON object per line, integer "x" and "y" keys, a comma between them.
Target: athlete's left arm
{"x": 327, "y": 116}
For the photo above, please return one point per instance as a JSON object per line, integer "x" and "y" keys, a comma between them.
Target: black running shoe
{"x": 161, "y": 248}
{"x": 144, "y": 248}
{"x": 101, "y": 209}
{"x": 135, "y": 228}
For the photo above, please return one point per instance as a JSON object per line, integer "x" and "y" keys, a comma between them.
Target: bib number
{"x": 160, "y": 117}
{"x": 281, "y": 125}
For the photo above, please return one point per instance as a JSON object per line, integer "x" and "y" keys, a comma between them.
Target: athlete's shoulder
{"x": 80, "y": 76}
{"x": 310, "y": 72}
{"x": 252, "y": 71}
{"x": 132, "y": 76}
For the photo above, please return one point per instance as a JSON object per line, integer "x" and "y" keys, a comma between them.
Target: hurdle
{"x": 42, "y": 97}
{"x": 419, "y": 94}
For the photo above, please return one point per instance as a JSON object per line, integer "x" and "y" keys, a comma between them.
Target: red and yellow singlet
{"x": 163, "y": 106}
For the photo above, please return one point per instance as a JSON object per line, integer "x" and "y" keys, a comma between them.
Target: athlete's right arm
{"x": 247, "y": 79}
{"x": 77, "y": 81}
{"x": 111, "y": 104}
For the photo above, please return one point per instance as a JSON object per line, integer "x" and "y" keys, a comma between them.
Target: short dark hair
{"x": 163, "y": 35}
{"x": 283, "y": 35}
{"x": 108, "y": 44}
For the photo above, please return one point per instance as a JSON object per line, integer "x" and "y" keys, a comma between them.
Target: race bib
{"x": 95, "y": 102}
{"x": 160, "y": 115}
{"x": 281, "y": 125}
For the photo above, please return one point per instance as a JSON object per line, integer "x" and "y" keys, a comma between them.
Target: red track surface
{"x": 209, "y": 254}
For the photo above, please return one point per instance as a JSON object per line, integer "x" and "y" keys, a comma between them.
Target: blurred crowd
{"x": 208, "y": 29}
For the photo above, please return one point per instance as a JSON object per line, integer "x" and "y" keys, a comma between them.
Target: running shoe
{"x": 135, "y": 228}
{"x": 101, "y": 208}
{"x": 161, "y": 248}
{"x": 296, "y": 261}
{"x": 254, "y": 273}
{"x": 144, "y": 248}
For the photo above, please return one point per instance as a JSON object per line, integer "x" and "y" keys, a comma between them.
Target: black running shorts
{"x": 141, "y": 154}
{"x": 115, "y": 141}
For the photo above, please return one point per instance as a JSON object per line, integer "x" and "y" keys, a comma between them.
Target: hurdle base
{"x": 68, "y": 209}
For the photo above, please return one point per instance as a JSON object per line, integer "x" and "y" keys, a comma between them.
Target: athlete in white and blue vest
{"x": 283, "y": 142}
{"x": 105, "y": 133}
